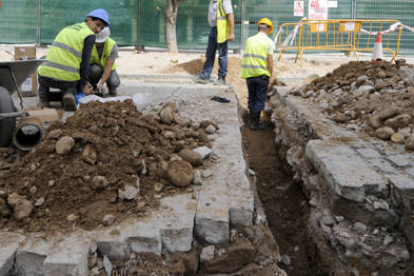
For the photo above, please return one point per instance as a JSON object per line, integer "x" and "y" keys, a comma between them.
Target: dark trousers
{"x": 212, "y": 47}
{"x": 95, "y": 74}
{"x": 65, "y": 87}
{"x": 257, "y": 87}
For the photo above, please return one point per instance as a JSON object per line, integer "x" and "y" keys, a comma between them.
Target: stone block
{"x": 177, "y": 222}
{"x": 145, "y": 237}
{"x": 70, "y": 259}
{"x": 348, "y": 174}
{"x": 382, "y": 166}
{"x": 29, "y": 263}
{"x": 368, "y": 153}
{"x": 9, "y": 246}
{"x": 400, "y": 161}
{"x": 241, "y": 209}
{"x": 404, "y": 184}
{"x": 212, "y": 223}
{"x": 113, "y": 248}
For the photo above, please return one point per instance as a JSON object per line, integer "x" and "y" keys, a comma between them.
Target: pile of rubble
{"x": 375, "y": 98}
{"x": 104, "y": 164}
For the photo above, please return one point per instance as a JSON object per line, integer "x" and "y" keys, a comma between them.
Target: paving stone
{"x": 368, "y": 153}
{"x": 70, "y": 259}
{"x": 410, "y": 172}
{"x": 387, "y": 148}
{"x": 401, "y": 161}
{"x": 403, "y": 184}
{"x": 9, "y": 245}
{"x": 115, "y": 248}
{"x": 212, "y": 222}
{"x": 29, "y": 263}
{"x": 241, "y": 209}
{"x": 177, "y": 222}
{"x": 382, "y": 165}
{"x": 348, "y": 174}
{"x": 145, "y": 238}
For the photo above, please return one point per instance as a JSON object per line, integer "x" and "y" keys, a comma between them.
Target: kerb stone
{"x": 177, "y": 222}
{"x": 403, "y": 184}
{"x": 9, "y": 246}
{"x": 241, "y": 209}
{"x": 212, "y": 223}
{"x": 348, "y": 174}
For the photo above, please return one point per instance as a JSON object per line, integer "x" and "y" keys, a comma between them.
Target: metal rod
{"x": 13, "y": 114}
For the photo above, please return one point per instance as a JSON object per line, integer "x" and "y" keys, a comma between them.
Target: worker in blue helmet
{"x": 67, "y": 61}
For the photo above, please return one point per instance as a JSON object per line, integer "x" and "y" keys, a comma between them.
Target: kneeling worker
{"x": 67, "y": 61}
{"x": 102, "y": 67}
{"x": 257, "y": 69}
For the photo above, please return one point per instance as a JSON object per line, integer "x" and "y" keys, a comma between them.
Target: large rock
{"x": 89, "y": 154}
{"x": 194, "y": 158}
{"x": 22, "y": 208}
{"x": 65, "y": 145}
{"x": 409, "y": 144}
{"x": 233, "y": 258}
{"x": 400, "y": 121}
{"x": 99, "y": 182}
{"x": 376, "y": 120}
{"x": 167, "y": 113}
{"x": 406, "y": 72}
{"x": 180, "y": 173}
{"x": 129, "y": 192}
{"x": 384, "y": 133}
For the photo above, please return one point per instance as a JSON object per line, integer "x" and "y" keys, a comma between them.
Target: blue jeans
{"x": 257, "y": 92}
{"x": 96, "y": 72}
{"x": 212, "y": 47}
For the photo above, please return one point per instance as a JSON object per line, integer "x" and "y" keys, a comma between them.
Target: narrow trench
{"x": 285, "y": 205}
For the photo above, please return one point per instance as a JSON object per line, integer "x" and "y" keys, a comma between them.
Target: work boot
{"x": 220, "y": 81}
{"x": 255, "y": 122}
{"x": 69, "y": 103}
{"x": 112, "y": 91}
{"x": 201, "y": 80}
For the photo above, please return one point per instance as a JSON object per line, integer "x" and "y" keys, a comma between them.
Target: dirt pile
{"x": 376, "y": 98}
{"x": 106, "y": 163}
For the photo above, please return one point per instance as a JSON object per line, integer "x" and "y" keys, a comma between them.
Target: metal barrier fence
{"x": 141, "y": 22}
{"x": 350, "y": 36}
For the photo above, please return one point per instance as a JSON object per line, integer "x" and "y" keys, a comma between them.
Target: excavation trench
{"x": 286, "y": 207}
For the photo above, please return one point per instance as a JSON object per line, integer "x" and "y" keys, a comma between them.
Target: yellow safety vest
{"x": 223, "y": 26}
{"x": 254, "y": 62}
{"x": 65, "y": 54}
{"x": 108, "y": 46}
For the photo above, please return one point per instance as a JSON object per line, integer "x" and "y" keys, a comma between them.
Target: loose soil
{"x": 356, "y": 92}
{"x": 285, "y": 205}
{"x": 114, "y": 144}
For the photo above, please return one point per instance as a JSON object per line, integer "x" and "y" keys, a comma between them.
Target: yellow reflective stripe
{"x": 254, "y": 56}
{"x": 254, "y": 66}
{"x": 67, "y": 48}
{"x": 60, "y": 67}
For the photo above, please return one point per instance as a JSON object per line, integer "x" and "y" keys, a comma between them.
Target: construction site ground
{"x": 169, "y": 77}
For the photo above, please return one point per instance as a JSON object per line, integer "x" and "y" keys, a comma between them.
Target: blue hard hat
{"x": 100, "y": 14}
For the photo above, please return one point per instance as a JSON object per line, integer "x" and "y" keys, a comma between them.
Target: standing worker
{"x": 257, "y": 69}
{"x": 67, "y": 61}
{"x": 221, "y": 20}
{"x": 102, "y": 67}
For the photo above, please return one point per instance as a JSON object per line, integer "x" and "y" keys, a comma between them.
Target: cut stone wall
{"x": 360, "y": 189}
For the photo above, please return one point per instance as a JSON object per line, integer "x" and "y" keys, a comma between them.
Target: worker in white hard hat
{"x": 102, "y": 69}
{"x": 257, "y": 69}
{"x": 67, "y": 61}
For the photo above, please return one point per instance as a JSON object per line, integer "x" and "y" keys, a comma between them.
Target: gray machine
{"x": 12, "y": 75}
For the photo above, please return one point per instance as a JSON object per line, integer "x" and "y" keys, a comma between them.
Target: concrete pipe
{"x": 28, "y": 134}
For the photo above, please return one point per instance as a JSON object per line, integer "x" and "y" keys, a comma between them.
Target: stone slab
{"x": 400, "y": 161}
{"x": 348, "y": 174}
{"x": 9, "y": 244}
{"x": 404, "y": 184}
{"x": 70, "y": 258}
{"x": 177, "y": 222}
{"x": 212, "y": 223}
{"x": 368, "y": 153}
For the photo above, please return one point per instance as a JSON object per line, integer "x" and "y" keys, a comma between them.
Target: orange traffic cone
{"x": 377, "y": 53}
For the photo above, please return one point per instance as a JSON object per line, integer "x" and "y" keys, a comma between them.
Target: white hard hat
{"x": 103, "y": 35}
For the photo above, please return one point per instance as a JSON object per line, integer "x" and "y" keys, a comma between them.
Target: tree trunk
{"x": 171, "y": 12}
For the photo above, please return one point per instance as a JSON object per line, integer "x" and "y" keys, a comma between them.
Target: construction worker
{"x": 102, "y": 67}
{"x": 257, "y": 69}
{"x": 67, "y": 61}
{"x": 221, "y": 20}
